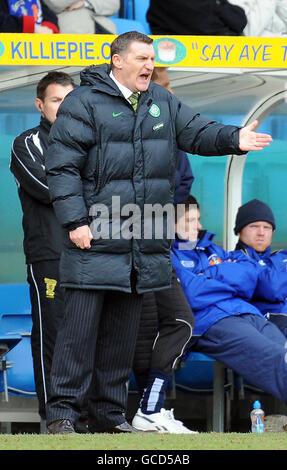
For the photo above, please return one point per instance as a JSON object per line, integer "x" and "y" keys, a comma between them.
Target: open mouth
{"x": 145, "y": 76}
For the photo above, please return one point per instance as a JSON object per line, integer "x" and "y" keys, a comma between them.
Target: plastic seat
{"x": 124, "y": 25}
{"x": 140, "y": 10}
{"x": 20, "y": 372}
{"x": 10, "y": 336}
{"x": 202, "y": 374}
{"x": 8, "y": 342}
{"x": 16, "y": 323}
{"x": 136, "y": 10}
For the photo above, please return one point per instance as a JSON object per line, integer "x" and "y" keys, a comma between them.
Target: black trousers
{"x": 94, "y": 352}
{"x": 47, "y": 305}
{"x": 165, "y": 330}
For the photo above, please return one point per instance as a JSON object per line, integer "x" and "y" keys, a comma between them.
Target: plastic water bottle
{"x": 257, "y": 418}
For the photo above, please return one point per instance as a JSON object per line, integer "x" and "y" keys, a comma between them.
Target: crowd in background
{"x": 196, "y": 17}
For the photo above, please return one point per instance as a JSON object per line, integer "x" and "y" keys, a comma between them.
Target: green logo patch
{"x": 154, "y": 111}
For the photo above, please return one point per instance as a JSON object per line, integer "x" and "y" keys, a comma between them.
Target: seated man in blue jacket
{"x": 255, "y": 226}
{"x": 219, "y": 286}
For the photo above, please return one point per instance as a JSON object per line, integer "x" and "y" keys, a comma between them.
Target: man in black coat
{"x": 113, "y": 151}
{"x": 196, "y": 17}
{"x": 42, "y": 232}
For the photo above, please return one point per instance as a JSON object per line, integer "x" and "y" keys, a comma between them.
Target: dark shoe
{"x": 123, "y": 427}
{"x": 81, "y": 426}
{"x": 61, "y": 426}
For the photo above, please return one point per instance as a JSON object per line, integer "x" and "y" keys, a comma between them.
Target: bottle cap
{"x": 257, "y": 404}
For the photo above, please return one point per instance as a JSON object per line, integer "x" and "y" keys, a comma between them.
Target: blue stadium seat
{"x": 9, "y": 335}
{"x": 8, "y": 342}
{"x": 20, "y": 373}
{"x": 136, "y": 10}
{"x": 199, "y": 374}
{"x": 16, "y": 320}
{"x": 124, "y": 25}
{"x": 140, "y": 10}
{"x": 128, "y": 9}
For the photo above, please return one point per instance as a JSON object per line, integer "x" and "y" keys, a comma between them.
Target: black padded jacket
{"x": 102, "y": 157}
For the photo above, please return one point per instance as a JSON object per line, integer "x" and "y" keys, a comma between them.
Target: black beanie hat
{"x": 253, "y": 211}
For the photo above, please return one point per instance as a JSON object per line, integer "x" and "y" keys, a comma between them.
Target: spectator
{"x": 108, "y": 141}
{"x": 85, "y": 16}
{"x": 165, "y": 328}
{"x": 42, "y": 232}
{"x": 264, "y": 17}
{"x": 255, "y": 226}
{"x": 218, "y": 286}
{"x": 27, "y": 16}
{"x": 196, "y": 17}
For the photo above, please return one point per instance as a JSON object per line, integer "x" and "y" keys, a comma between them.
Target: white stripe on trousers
{"x": 41, "y": 332}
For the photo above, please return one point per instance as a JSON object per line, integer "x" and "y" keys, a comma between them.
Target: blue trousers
{"x": 253, "y": 347}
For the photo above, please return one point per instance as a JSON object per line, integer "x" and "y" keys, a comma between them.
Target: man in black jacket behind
{"x": 196, "y": 17}
{"x": 42, "y": 232}
{"x": 113, "y": 149}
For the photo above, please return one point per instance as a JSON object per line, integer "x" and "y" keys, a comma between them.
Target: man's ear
{"x": 38, "y": 104}
{"x": 117, "y": 61}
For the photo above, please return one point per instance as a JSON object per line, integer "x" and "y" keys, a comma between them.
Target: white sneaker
{"x": 162, "y": 422}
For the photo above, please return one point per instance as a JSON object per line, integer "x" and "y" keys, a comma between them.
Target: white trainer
{"x": 162, "y": 422}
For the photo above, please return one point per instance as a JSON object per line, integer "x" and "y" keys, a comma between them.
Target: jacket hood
{"x": 96, "y": 75}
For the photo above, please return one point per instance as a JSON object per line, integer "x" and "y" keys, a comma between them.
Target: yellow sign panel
{"x": 181, "y": 51}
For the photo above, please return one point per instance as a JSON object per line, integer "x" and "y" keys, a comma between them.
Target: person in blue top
{"x": 255, "y": 226}
{"x": 218, "y": 286}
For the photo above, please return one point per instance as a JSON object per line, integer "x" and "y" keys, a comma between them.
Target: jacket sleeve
{"x": 106, "y": 8}
{"x": 27, "y": 166}
{"x": 70, "y": 139}
{"x": 16, "y": 24}
{"x": 259, "y": 15}
{"x": 232, "y": 15}
{"x": 26, "y": 24}
{"x": 272, "y": 282}
{"x": 281, "y": 10}
{"x": 241, "y": 274}
{"x": 49, "y": 18}
{"x": 183, "y": 178}
{"x": 201, "y": 290}
{"x": 202, "y": 136}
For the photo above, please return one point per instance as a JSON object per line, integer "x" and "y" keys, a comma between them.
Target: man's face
{"x": 54, "y": 96}
{"x": 134, "y": 68}
{"x": 257, "y": 235}
{"x": 188, "y": 225}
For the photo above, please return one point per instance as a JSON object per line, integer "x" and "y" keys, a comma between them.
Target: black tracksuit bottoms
{"x": 165, "y": 330}
{"x": 47, "y": 305}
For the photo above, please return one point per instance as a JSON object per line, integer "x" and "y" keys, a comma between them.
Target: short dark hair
{"x": 190, "y": 200}
{"x": 60, "y": 78}
{"x": 123, "y": 41}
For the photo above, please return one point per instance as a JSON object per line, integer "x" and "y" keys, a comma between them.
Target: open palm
{"x": 250, "y": 140}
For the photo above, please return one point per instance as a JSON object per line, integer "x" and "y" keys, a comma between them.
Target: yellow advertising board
{"x": 180, "y": 51}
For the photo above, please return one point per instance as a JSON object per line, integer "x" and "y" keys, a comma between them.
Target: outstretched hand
{"x": 250, "y": 140}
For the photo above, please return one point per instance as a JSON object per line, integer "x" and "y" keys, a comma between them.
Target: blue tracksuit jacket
{"x": 216, "y": 283}
{"x": 270, "y": 294}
